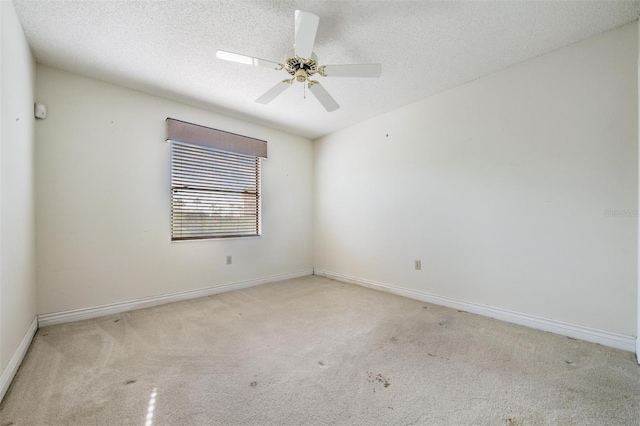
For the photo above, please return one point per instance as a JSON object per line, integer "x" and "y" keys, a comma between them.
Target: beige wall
{"x": 501, "y": 187}
{"x": 103, "y": 200}
{"x": 17, "y": 225}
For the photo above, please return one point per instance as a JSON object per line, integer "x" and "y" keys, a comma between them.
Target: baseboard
{"x": 147, "y": 302}
{"x": 14, "y": 363}
{"x": 605, "y": 338}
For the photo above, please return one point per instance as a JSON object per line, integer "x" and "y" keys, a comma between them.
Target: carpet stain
{"x": 253, "y": 384}
{"x": 7, "y": 423}
{"x": 321, "y": 363}
{"x": 378, "y": 378}
{"x": 116, "y": 320}
{"x": 436, "y": 356}
{"x": 394, "y": 339}
{"x": 444, "y": 323}
{"x": 513, "y": 422}
{"x": 129, "y": 382}
{"x": 570, "y": 362}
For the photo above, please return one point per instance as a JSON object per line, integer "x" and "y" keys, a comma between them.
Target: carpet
{"x": 315, "y": 351}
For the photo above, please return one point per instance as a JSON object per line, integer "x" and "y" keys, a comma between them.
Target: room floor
{"x": 316, "y": 351}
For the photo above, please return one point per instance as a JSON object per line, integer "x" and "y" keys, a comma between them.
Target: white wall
{"x": 500, "y": 187}
{"x": 17, "y": 216}
{"x": 103, "y": 200}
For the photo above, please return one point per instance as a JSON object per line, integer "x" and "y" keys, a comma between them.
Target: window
{"x": 215, "y": 193}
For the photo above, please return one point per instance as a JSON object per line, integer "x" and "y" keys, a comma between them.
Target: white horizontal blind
{"x": 214, "y": 194}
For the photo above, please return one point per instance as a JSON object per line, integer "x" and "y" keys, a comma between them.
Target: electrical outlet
{"x": 418, "y": 265}
{"x": 229, "y": 260}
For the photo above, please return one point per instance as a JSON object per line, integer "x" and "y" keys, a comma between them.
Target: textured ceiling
{"x": 425, "y": 47}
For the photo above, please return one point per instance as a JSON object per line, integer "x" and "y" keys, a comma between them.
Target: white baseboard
{"x": 130, "y": 305}
{"x": 14, "y": 363}
{"x": 605, "y": 338}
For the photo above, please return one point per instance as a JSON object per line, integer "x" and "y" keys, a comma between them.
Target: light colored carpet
{"x": 316, "y": 351}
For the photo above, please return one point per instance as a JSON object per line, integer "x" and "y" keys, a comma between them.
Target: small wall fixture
{"x": 40, "y": 110}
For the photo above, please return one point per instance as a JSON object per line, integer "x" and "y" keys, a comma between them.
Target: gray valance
{"x": 182, "y": 131}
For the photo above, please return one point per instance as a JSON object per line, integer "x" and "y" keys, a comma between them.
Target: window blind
{"x": 214, "y": 194}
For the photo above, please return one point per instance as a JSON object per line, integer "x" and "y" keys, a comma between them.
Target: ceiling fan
{"x": 302, "y": 64}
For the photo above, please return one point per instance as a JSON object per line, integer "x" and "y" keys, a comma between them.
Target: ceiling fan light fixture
{"x": 301, "y": 75}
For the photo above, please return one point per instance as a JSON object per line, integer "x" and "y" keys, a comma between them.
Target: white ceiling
{"x": 425, "y": 47}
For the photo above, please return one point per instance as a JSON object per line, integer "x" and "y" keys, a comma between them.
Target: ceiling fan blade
{"x": 274, "y": 92}
{"x": 324, "y": 97}
{"x": 306, "y": 28}
{"x": 248, "y": 60}
{"x": 360, "y": 70}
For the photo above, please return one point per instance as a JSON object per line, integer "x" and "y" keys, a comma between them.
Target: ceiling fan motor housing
{"x": 301, "y": 68}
